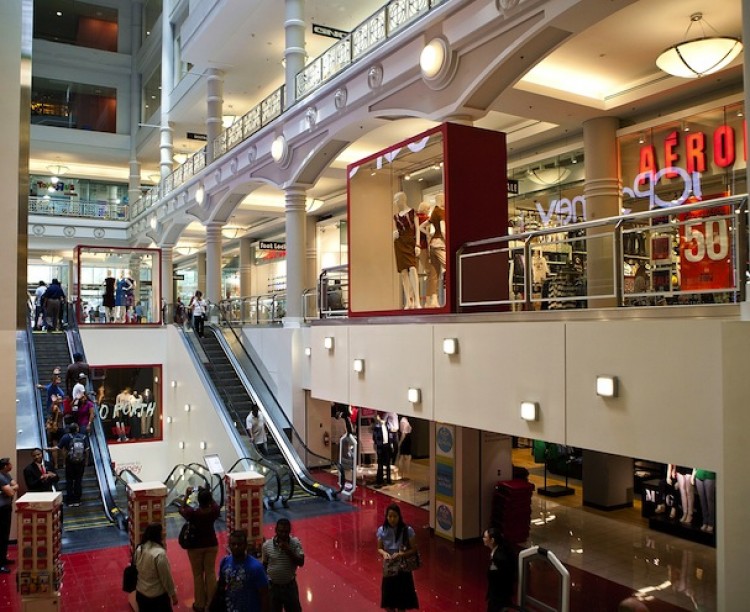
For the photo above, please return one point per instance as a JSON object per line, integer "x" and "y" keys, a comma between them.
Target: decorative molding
{"x": 99, "y": 232}
{"x": 375, "y": 76}
{"x": 38, "y": 230}
{"x": 69, "y": 231}
{"x": 340, "y": 97}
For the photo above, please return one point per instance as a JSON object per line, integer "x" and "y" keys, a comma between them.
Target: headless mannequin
{"x": 437, "y": 252}
{"x": 683, "y": 477}
{"x": 423, "y": 218}
{"x": 406, "y": 246}
{"x": 705, "y": 483}
{"x": 404, "y": 446}
{"x": 109, "y": 297}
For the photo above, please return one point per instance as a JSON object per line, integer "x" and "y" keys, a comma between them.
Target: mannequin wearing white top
{"x": 406, "y": 261}
{"x": 404, "y": 446}
{"x": 436, "y": 225}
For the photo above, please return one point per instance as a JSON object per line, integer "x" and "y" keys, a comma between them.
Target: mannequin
{"x": 124, "y": 285}
{"x": 108, "y": 300}
{"x": 381, "y": 437}
{"x": 405, "y": 245}
{"x": 705, "y": 482}
{"x": 437, "y": 251}
{"x": 683, "y": 477}
{"x": 539, "y": 268}
{"x": 404, "y": 446}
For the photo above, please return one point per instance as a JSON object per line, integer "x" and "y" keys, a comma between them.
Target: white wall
{"x": 132, "y": 346}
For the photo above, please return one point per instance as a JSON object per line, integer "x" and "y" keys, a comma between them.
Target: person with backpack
{"x": 75, "y": 445}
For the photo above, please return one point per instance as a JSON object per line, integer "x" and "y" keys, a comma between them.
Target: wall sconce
{"x": 358, "y": 365}
{"x": 308, "y": 351}
{"x": 200, "y": 194}
{"x": 529, "y": 411}
{"x": 607, "y": 386}
{"x": 203, "y": 445}
{"x": 279, "y": 149}
{"x": 414, "y": 395}
{"x": 169, "y": 420}
{"x": 174, "y": 384}
{"x": 181, "y": 444}
{"x": 328, "y": 343}
{"x": 187, "y": 407}
{"x": 450, "y": 346}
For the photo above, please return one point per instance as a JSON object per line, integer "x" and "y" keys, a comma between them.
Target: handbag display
{"x": 130, "y": 576}
{"x": 187, "y": 536}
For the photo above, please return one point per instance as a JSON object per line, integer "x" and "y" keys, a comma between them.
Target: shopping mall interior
{"x": 559, "y": 188}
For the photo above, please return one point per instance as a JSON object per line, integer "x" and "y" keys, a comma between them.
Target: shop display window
{"x": 412, "y": 206}
{"x": 117, "y": 285}
{"x": 129, "y": 400}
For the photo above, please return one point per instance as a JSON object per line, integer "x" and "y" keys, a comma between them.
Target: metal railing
{"x": 92, "y": 209}
{"x": 696, "y": 253}
{"x": 269, "y": 308}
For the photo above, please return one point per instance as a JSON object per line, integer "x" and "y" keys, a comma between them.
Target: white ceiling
{"x": 609, "y": 69}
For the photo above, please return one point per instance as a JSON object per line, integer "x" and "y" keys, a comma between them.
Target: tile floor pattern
{"x": 607, "y": 559}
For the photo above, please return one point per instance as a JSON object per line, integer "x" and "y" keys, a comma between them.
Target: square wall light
{"x": 187, "y": 407}
{"x": 358, "y": 365}
{"x": 607, "y": 386}
{"x": 414, "y": 395}
{"x": 529, "y": 411}
{"x": 328, "y": 343}
{"x": 308, "y": 351}
{"x": 450, "y": 346}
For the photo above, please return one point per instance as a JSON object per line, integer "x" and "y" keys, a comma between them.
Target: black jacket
{"x": 32, "y": 475}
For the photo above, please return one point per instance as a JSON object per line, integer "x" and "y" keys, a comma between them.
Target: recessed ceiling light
{"x": 59, "y": 13}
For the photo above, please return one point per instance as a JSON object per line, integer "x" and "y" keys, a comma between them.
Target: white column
{"x": 200, "y": 272}
{"x": 167, "y": 83}
{"x": 246, "y": 266}
{"x": 602, "y": 191}
{"x": 311, "y": 259}
{"x": 294, "y": 53}
{"x": 167, "y": 282}
{"x": 134, "y": 176}
{"x": 214, "y": 104}
{"x": 295, "y": 252}
{"x": 213, "y": 261}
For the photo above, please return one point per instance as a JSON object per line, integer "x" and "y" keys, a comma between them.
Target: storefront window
{"x": 118, "y": 286}
{"x": 129, "y": 400}
{"x": 332, "y": 244}
{"x": 186, "y": 283}
{"x": 76, "y": 23}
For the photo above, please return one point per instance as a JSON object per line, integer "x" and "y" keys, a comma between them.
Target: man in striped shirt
{"x": 281, "y": 557}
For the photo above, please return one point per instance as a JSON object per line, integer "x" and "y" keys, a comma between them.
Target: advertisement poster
{"x": 129, "y": 402}
{"x": 445, "y": 480}
{"x": 706, "y": 250}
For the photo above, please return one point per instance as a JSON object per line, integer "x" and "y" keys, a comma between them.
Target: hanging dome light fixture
{"x": 698, "y": 57}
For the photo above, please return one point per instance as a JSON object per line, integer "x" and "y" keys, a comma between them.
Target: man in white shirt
{"x": 256, "y": 429}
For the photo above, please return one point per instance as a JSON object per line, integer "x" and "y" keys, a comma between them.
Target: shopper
{"x": 39, "y": 475}
{"x": 39, "y": 322}
{"x": 256, "y": 429}
{"x": 155, "y": 590}
{"x": 75, "y": 445}
{"x": 242, "y": 579}
{"x": 396, "y": 541}
{"x": 54, "y": 303}
{"x": 281, "y": 556}
{"x": 203, "y": 547}
{"x": 501, "y": 573}
{"x": 198, "y": 308}
{"x": 8, "y": 490}
{"x": 74, "y": 371}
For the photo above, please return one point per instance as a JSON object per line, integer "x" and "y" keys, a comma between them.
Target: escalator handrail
{"x": 270, "y": 393}
{"x": 218, "y": 484}
{"x": 97, "y": 441}
{"x": 41, "y": 408}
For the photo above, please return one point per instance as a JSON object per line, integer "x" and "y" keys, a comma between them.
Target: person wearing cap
{"x": 75, "y": 369}
{"x": 81, "y": 407}
{"x": 8, "y": 490}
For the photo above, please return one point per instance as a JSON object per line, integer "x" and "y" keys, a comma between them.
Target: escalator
{"x": 98, "y": 505}
{"x": 239, "y": 384}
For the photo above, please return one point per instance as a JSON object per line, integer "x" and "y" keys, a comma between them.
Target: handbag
{"x": 187, "y": 536}
{"x": 409, "y": 564}
{"x": 130, "y": 576}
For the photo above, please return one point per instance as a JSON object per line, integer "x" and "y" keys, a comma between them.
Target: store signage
{"x": 178, "y": 277}
{"x": 706, "y": 250}
{"x": 694, "y": 149}
{"x": 513, "y": 188}
{"x": 322, "y": 30}
{"x": 564, "y": 211}
{"x": 272, "y": 246}
{"x": 197, "y": 136}
{"x": 646, "y": 183}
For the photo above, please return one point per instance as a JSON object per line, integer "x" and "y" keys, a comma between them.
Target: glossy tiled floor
{"x": 608, "y": 560}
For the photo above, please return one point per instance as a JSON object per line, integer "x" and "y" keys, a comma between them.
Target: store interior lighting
{"x": 51, "y": 259}
{"x": 548, "y": 176}
{"x": 180, "y": 158}
{"x": 231, "y": 233}
{"x": 697, "y": 57}
{"x": 57, "y": 170}
{"x": 227, "y": 120}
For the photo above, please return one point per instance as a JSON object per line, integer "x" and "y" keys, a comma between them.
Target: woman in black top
{"x": 501, "y": 572}
{"x": 204, "y": 546}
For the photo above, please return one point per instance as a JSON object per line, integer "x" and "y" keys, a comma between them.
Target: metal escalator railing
{"x": 98, "y": 444}
{"x": 290, "y": 443}
{"x": 40, "y": 435}
{"x": 273, "y": 490}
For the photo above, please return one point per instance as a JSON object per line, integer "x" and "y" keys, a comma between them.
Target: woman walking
{"x": 155, "y": 590}
{"x": 203, "y": 547}
{"x": 396, "y": 542}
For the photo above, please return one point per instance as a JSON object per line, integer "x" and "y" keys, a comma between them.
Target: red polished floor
{"x": 342, "y": 569}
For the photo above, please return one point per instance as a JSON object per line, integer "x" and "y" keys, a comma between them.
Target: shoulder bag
{"x": 130, "y": 575}
{"x": 412, "y": 562}
{"x": 187, "y": 536}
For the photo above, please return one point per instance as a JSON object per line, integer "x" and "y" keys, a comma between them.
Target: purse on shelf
{"x": 130, "y": 575}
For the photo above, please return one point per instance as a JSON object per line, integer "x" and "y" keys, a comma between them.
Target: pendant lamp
{"x": 693, "y": 58}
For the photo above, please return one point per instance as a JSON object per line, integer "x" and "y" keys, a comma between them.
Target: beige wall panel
{"x": 669, "y": 404}
{"x": 498, "y": 366}
{"x": 329, "y": 370}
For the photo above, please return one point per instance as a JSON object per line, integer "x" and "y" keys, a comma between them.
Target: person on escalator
{"x": 256, "y": 429}
{"x": 198, "y": 308}
{"x": 74, "y": 371}
{"x": 75, "y": 447}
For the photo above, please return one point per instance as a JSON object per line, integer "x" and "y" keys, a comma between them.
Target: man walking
{"x": 242, "y": 579}
{"x": 281, "y": 557}
{"x": 74, "y": 443}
